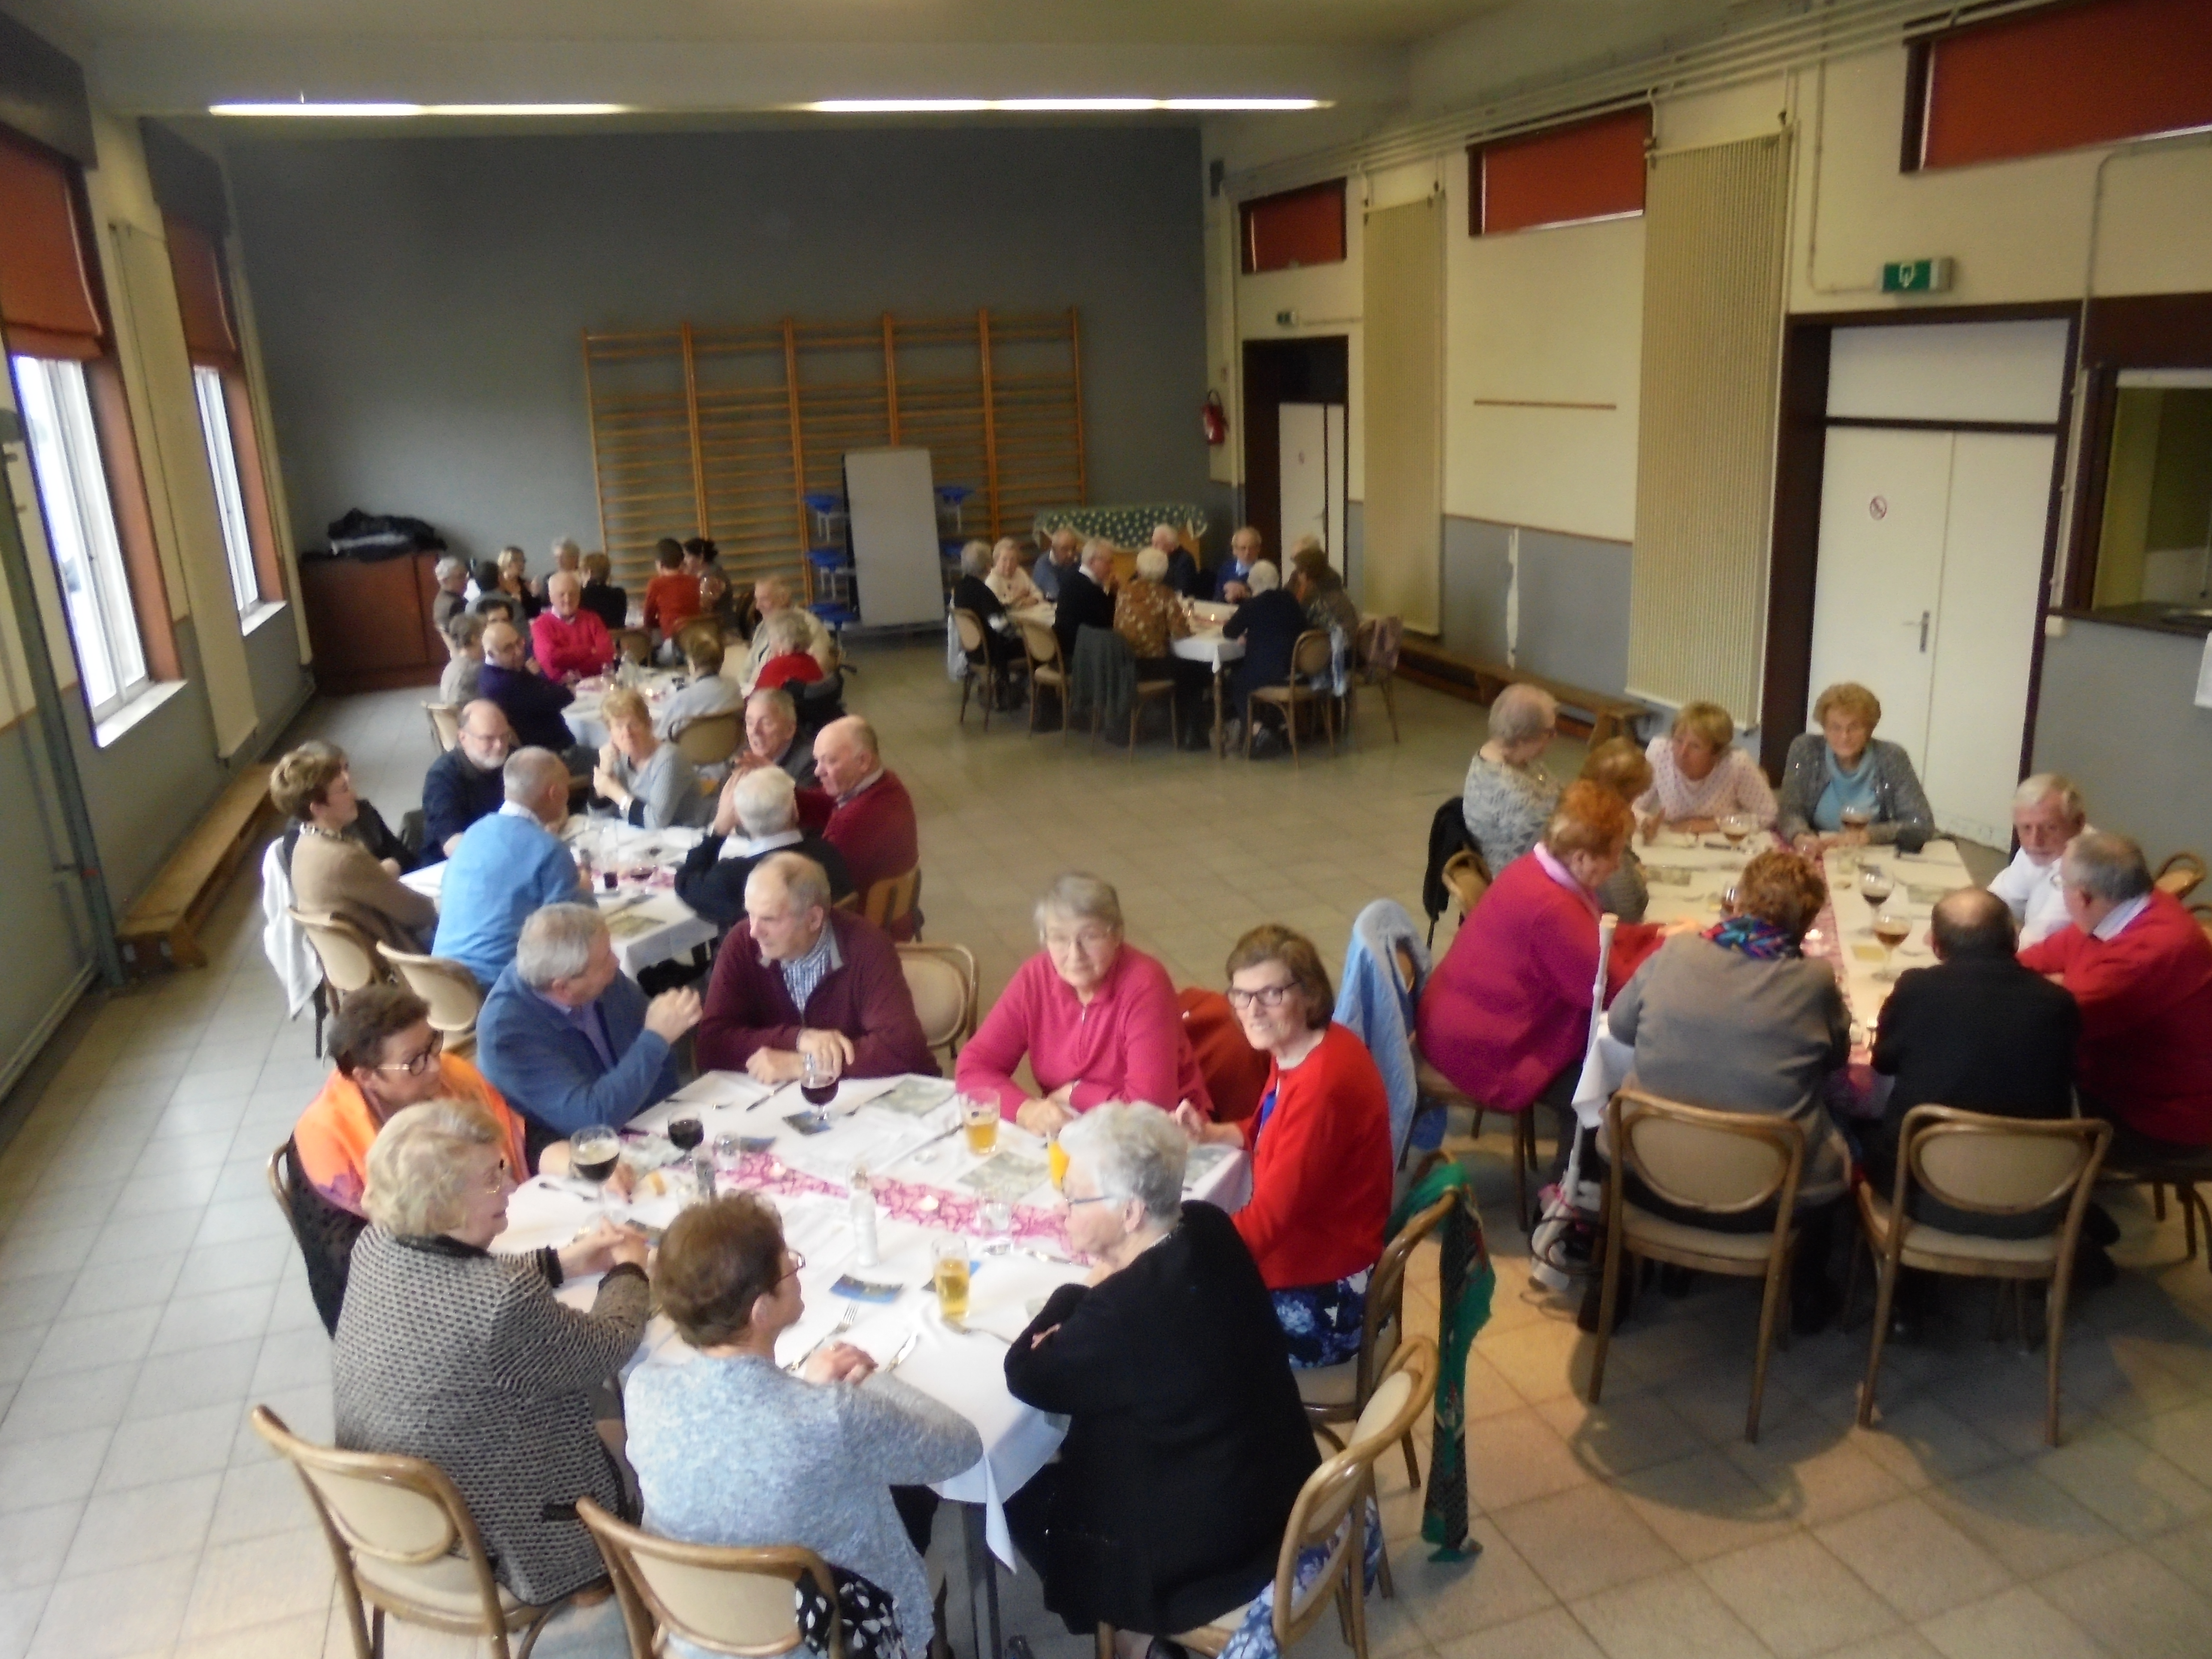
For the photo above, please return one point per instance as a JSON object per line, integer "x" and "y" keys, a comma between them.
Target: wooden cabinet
{"x": 369, "y": 622}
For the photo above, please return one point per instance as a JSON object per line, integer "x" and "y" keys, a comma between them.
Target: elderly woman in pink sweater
{"x": 1096, "y": 1018}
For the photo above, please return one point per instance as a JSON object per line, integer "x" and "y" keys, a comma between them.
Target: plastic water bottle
{"x": 864, "y": 1217}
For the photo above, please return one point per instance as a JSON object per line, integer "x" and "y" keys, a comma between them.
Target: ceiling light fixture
{"x": 344, "y": 111}
{"x": 1031, "y": 106}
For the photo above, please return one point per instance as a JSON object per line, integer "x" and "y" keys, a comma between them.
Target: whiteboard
{"x": 890, "y": 497}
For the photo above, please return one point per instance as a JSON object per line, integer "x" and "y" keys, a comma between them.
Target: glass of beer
{"x": 592, "y": 1153}
{"x": 980, "y": 1120}
{"x": 1055, "y": 1157}
{"x": 951, "y": 1276}
{"x": 1890, "y": 930}
{"x": 1738, "y": 827}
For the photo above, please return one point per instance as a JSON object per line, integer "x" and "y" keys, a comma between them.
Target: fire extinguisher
{"x": 1216, "y": 421}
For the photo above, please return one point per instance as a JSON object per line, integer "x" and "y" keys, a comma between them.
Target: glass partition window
{"x": 229, "y": 497}
{"x": 2155, "y": 549}
{"x": 81, "y": 526}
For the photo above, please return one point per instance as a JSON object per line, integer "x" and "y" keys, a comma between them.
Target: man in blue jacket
{"x": 507, "y": 865}
{"x": 466, "y": 783}
{"x": 568, "y": 1038}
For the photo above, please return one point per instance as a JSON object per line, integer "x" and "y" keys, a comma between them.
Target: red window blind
{"x": 46, "y": 303}
{"x": 2056, "y": 80}
{"x": 201, "y": 295}
{"x": 1297, "y": 228}
{"x": 1591, "y": 170}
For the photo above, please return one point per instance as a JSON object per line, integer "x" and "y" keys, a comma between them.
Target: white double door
{"x": 1311, "y": 439}
{"x": 1930, "y": 567}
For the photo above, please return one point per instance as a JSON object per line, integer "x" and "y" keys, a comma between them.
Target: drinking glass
{"x": 979, "y": 1118}
{"x": 1890, "y": 930}
{"x": 951, "y": 1278}
{"x": 593, "y": 1152}
{"x": 817, "y": 1084}
{"x": 1738, "y": 827}
{"x": 685, "y": 1134}
{"x": 995, "y": 1218}
{"x": 1874, "y": 884}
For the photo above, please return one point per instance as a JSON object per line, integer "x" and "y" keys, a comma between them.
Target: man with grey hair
{"x": 464, "y": 632}
{"x": 452, "y": 596}
{"x": 468, "y": 781}
{"x": 864, "y": 812}
{"x": 2047, "y": 812}
{"x": 772, "y": 596}
{"x": 2140, "y": 969}
{"x": 1269, "y": 623}
{"x": 756, "y": 815}
{"x": 1053, "y": 564}
{"x": 801, "y": 983}
{"x": 772, "y": 737}
{"x": 572, "y": 644}
{"x": 569, "y": 1037}
{"x": 507, "y": 865}
{"x": 1178, "y": 1508}
{"x": 1232, "y": 582}
{"x": 1087, "y": 596}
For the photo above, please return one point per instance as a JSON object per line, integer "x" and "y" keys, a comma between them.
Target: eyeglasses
{"x": 796, "y": 1262}
{"x": 1095, "y": 1198}
{"x": 1090, "y": 938}
{"x": 502, "y": 1175}
{"x": 416, "y": 1065}
{"x": 1268, "y": 996}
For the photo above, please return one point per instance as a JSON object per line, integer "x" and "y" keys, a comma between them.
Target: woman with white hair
{"x": 1508, "y": 798}
{"x": 786, "y": 660}
{"x": 1150, "y": 615}
{"x": 448, "y": 1352}
{"x": 452, "y": 595}
{"x": 1095, "y": 1018}
{"x": 1009, "y": 580}
{"x": 973, "y": 593}
{"x": 1269, "y": 623}
{"x": 1186, "y": 1442}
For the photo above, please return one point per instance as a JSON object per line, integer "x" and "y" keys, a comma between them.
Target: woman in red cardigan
{"x": 1506, "y": 1014}
{"x": 1320, "y": 1144}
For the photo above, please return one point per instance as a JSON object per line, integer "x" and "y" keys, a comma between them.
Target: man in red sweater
{"x": 800, "y": 979}
{"x": 2140, "y": 969}
{"x": 864, "y": 812}
{"x": 571, "y": 643}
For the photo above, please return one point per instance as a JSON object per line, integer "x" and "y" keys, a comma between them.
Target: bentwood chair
{"x": 1310, "y": 656}
{"x": 1330, "y": 1514}
{"x": 1467, "y": 878}
{"x": 1047, "y": 670}
{"x": 404, "y": 1544}
{"x": 350, "y": 958}
{"x": 1726, "y": 1163}
{"x": 711, "y": 739}
{"x": 1155, "y": 691}
{"x": 1992, "y": 1166}
{"x": 450, "y": 989}
{"x": 1375, "y": 662}
{"x": 695, "y": 628}
{"x": 2180, "y": 875}
{"x": 1432, "y": 1086}
{"x": 942, "y": 981}
{"x": 984, "y": 668}
{"x": 445, "y": 724}
{"x": 887, "y": 903}
{"x": 719, "y": 1597}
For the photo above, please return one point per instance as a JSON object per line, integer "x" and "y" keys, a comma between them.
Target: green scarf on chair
{"x": 1465, "y": 1282}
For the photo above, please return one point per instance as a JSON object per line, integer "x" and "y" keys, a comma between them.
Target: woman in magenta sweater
{"x": 1098, "y": 1020}
{"x": 1506, "y": 1014}
{"x": 1320, "y": 1146}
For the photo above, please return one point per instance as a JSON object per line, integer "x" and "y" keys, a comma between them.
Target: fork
{"x": 844, "y": 1324}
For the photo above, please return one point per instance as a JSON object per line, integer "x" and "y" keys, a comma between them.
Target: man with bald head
{"x": 464, "y": 783}
{"x": 531, "y": 704}
{"x": 864, "y": 812}
{"x": 1978, "y": 1030}
{"x": 506, "y": 866}
{"x": 572, "y": 644}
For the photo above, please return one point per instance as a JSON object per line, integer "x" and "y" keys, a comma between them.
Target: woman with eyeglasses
{"x": 1096, "y": 1018}
{"x": 384, "y": 1058}
{"x": 730, "y": 1449}
{"x": 448, "y": 1352}
{"x": 1320, "y": 1146}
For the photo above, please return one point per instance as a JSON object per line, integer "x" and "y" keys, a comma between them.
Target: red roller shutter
{"x": 201, "y": 295}
{"x": 1297, "y": 228}
{"x": 1591, "y": 170}
{"x": 46, "y": 303}
{"x": 2061, "y": 79}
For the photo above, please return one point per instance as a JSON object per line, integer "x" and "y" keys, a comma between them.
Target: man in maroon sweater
{"x": 2140, "y": 969}
{"x": 800, "y": 979}
{"x": 864, "y": 812}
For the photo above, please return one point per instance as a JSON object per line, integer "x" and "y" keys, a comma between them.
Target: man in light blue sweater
{"x": 507, "y": 865}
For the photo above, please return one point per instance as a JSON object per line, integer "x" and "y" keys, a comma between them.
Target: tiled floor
{"x": 149, "y": 1293}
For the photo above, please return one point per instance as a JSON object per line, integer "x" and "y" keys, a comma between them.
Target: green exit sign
{"x": 1915, "y": 277}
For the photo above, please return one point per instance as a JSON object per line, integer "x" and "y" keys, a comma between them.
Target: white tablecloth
{"x": 963, "y": 1367}
{"x": 649, "y": 924}
{"x": 584, "y": 716}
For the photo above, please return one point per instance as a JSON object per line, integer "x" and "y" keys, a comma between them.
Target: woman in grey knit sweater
{"x": 1508, "y": 798}
{"x": 731, "y": 1449}
{"x": 1844, "y": 767}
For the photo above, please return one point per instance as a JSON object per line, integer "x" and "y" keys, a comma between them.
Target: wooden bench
{"x": 1610, "y": 715}
{"x": 163, "y": 925}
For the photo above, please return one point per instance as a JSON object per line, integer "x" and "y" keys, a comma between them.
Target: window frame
{"x": 66, "y": 394}
{"x": 212, "y": 398}
{"x": 1478, "y": 226}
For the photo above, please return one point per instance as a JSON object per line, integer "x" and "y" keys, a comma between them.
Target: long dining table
{"x": 928, "y": 1185}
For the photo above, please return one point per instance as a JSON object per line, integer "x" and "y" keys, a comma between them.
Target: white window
{"x": 81, "y": 526}
{"x": 229, "y": 500}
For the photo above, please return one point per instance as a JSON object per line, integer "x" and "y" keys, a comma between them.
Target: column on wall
{"x": 1402, "y": 304}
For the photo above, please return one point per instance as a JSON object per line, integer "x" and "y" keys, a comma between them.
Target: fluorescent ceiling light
{"x": 302, "y": 108}
{"x": 969, "y": 106}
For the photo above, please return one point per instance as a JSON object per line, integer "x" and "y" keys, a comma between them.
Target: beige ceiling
{"x": 1197, "y": 22}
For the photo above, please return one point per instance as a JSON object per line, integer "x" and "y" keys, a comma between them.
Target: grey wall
{"x": 1573, "y": 602}
{"x": 420, "y": 300}
{"x": 2115, "y": 715}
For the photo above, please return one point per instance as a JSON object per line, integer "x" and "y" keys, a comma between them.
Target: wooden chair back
{"x": 722, "y": 1598}
{"x": 711, "y": 739}
{"x": 696, "y": 628}
{"x": 1042, "y": 646}
{"x": 1466, "y": 878}
{"x": 1310, "y": 655}
{"x": 887, "y": 901}
{"x": 350, "y": 958}
{"x": 632, "y": 644}
{"x": 2180, "y": 875}
{"x": 403, "y": 1539}
{"x": 1375, "y": 649}
{"x": 1383, "y": 1332}
{"x": 944, "y": 983}
{"x": 1724, "y": 1163}
{"x": 280, "y": 1188}
{"x": 445, "y": 724}
{"x": 969, "y": 627}
{"x": 450, "y": 989}
{"x": 1997, "y": 1166}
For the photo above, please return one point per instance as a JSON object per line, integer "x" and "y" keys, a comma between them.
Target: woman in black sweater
{"x": 1187, "y": 1445}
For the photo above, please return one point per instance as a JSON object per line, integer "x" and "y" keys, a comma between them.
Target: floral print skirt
{"x": 1323, "y": 1321}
